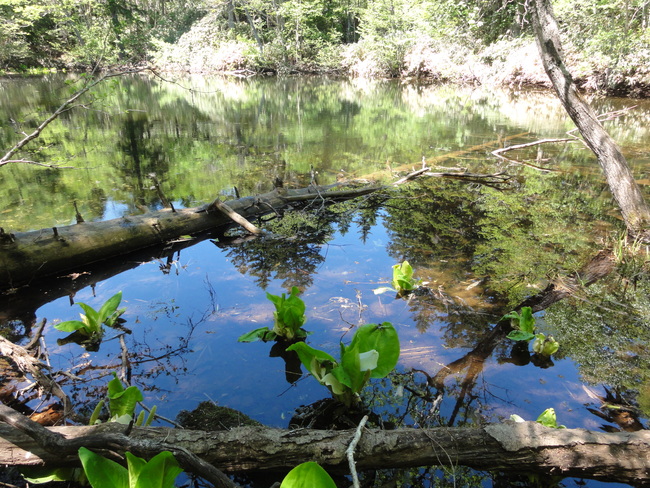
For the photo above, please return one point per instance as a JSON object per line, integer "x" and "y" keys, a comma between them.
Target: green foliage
{"x": 121, "y": 401}
{"x": 546, "y": 346}
{"x": 88, "y": 331}
{"x": 159, "y": 472}
{"x": 308, "y": 475}
{"x": 402, "y": 282}
{"x": 45, "y": 474}
{"x": 524, "y": 330}
{"x": 548, "y": 419}
{"x": 289, "y": 317}
{"x": 91, "y": 322}
{"x": 523, "y": 325}
{"x": 373, "y": 353}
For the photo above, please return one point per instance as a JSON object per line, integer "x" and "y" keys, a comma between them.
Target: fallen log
{"x": 28, "y": 256}
{"x": 506, "y": 447}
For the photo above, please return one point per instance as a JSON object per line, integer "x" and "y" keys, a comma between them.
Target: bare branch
{"x": 67, "y": 105}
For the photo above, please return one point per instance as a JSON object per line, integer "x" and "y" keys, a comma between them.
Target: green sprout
{"x": 289, "y": 317}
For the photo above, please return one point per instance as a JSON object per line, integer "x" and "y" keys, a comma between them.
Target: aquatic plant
{"x": 88, "y": 331}
{"x": 524, "y": 330}
{"x": 547, "y": 418}
{"x": 403, "y": 282}
{"x": 159, "y": 472}
{"x": 308, "y": 475}
{"x": 289, "y": 317}
{"x": 373, "y": 353}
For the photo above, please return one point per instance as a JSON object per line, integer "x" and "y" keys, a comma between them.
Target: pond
{"x": 479, "y": 248}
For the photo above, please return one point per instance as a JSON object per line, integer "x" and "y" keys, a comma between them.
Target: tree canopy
{"x": 606, "y": 39}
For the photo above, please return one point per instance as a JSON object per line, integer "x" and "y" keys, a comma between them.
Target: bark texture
{"x": 28, "y": 256}
{"x": 505, "y": 447}
{"x": 620, "y": 179}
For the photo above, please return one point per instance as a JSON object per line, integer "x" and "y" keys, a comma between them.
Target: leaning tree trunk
{"x": 620, "y": 179}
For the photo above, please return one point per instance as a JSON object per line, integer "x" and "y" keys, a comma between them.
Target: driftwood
{"x": 28, "y": 256}
{"x": 506, "y": 447}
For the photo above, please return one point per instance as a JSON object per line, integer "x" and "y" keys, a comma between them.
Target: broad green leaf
{"x": 526, "y": 320}
{"x": 520, "y": 335}
{"x": 71, "y": 326}
{"x": 44, "y": 474}
{"x": 404, "y": 285}
{"x": 308, "y": 475}
{"x": 546, "y": 346}
{"x": 92, "y": 315}
{"x": 334, "y": 384}
{"x": 261, "y": 334}
{"x": 102, "y": 472}
{"x": 109, "y": 307}
{"x": 352, "y": 365}
{"x": 548, "y": 419}
{"x": 120, "y": 401}
{"x": 309, "y": 356}
{"x": 159, "y": 472}
{"x": 277, "y": 300}
{"x": 134, "y": 465}
{"x": 403, "y": 277}
{"x": 382, "y": 338}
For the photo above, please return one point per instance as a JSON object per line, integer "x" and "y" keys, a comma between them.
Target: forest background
{"x": 484, "y": 41}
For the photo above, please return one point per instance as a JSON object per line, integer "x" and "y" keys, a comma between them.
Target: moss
{"x": 210, "y": 416}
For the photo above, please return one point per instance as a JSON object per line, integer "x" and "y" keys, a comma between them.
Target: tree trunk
{"x": 620, "y": 179}
{"x": 506, "y": 447}
{"x": 28, "y": 256}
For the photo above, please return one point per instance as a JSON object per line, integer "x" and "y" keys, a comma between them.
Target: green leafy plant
{"x": 308, "y": 475}
{"x": 159, "y": 472}
{"x": 373, "y": 353}
{"x": 546, "y": 346}
{"x": 523, "y": 325}
{"x": 547, "y": 418}
{"x": 89, "y": 330}
{"x": 524, "y": 330}
{"x": 121, "y": 405}
{"x": 289, "y": 317}
{"x": 402, "y": 282}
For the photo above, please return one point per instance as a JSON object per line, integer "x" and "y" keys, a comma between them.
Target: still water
{"x": 479, "y": 248}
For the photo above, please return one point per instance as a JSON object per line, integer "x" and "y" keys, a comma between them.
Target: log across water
{"x": 506, "y": 447}
{"x": 29, "y": 256}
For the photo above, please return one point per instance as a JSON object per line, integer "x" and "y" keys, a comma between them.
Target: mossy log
{"x": 506, "y": 447}
{"x": 29, "y": 256}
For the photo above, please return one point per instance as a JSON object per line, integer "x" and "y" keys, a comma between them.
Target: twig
{"x": 126, "y": 364}
{"x": 6, "y": 159}
{"x": 350, "y": 451}
{"x": 234, "y": 216}
{"x": 37, "y": 335}
{"x": 28, "y": 364}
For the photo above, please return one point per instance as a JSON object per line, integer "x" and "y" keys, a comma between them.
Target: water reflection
{"x": 481, "y": 250}
{"x": 204, "y": 136}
